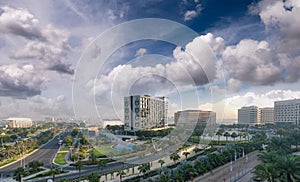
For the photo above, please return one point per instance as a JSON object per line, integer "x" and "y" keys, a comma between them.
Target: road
{"x": 44, "y": 154}
{"x": 239, "y": 168}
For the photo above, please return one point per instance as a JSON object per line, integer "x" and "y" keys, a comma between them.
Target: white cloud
{"x": 47, "y": 44}
{"x": 251, "y": 62}
{"x": 141, "y": 52}
{"x": 36, "y": 107}
{"x": 190, "y": 14}
{"x": 20, "y": 81}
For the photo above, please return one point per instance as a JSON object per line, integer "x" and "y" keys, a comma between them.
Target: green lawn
{"x": 97, "y": 153}
{"x": 60, "y": 158}
{"x": 65, "y": 149}
{"x": 107, "y": 149}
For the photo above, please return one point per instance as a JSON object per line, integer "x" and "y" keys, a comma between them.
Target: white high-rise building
{"x": 287, "y": 111}
{"x": 267, "y": 115}
{"x": 249, "y": 115}
{"x": 144, "y": 112}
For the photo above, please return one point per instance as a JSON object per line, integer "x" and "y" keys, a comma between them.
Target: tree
{"x": 219, "y": 133}
{"x": 281, "y": 132}
{"x": 226, "y": 134}
{"x": 161, "y": 162}
{"x": 93, "y": 177}
{"x": 266, "y": 171}
{"x": 234, "y": 135}
{"x": 79, "y": 166}
{"x": 186, "y": 154}
{"x": 93, "y": 156}
{"x": 240, "y": 134}
{"x": 290, "y": 168}
{"x": 54, "y": 171}
{"x": 101, "y": 164}
{"x": 19, "y": 173}
{"x": 174, "y": 157}
{"x": 121, "y": 173}
{"x": 68, "y": 140}
{"x": 144, "y": 168}
{"x": 281, "y": 145}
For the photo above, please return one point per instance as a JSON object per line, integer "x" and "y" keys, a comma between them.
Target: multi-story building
{"x": 19, "y": 122}
{"x": 144, "y": 112}
{"x": 287, "y": 111}
{"x": 267, "y": 115}
{"x": 199, "y": 116}
{"x": 249, "y": 115}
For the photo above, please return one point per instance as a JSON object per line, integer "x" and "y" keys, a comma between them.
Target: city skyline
{"x": 255, "y": 44}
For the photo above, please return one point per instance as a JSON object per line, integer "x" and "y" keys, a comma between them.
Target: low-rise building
{"x": 19, "y": 122}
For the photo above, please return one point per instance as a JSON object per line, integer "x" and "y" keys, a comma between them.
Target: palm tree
{"x": 174, "y": 157}
{"x": 268, "y": 157}
{"x": 161, "y": 162}
{"x": 189, "y": 171}
{"x": 226, "y": 134}
{"x": 280, "y": 145}
{"x": 266, "y": 171}
{"x": 93, "y": 177}
{"x": 234, "y": 135}
{"x": 79, "y": 166}
{"x": 93, "y": 156}
{"x": 101, "y": 164}
{"x": 121, "y": 173}
{"x": 290, "y": 168}
{"x": 219, "y": 133}
{"x": 144, "y": 168}
{"x": 186, "y": 154}
{"x": 54, "y": 171}
{"x": 19, "y": 173}
{"x": 281, "y": 132}
{"x": 240, "y": 134}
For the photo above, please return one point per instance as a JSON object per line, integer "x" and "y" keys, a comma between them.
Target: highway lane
{"x": 44, "y": 154}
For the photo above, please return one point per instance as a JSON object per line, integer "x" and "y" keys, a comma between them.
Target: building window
{"x": 126, "y": 110}
{"x": 137, "y": 110}
{"x": 126, "y": 117}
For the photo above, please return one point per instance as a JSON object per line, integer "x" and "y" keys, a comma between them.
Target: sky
{"x": 243, "y": 53}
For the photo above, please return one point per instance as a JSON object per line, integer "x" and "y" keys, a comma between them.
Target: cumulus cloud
{"x": 216, "y": 43}
{"x": 20, "y": 81}
{"x": 284, "y": 16}
{"x": 141, "y": 52}
{"x": 251, "y": 62}
{"x": 191, "y": 14}
{"x": 47, "y": 44}
{"x": 36, "y": 107}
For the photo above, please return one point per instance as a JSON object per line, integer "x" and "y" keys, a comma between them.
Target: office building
{"x": 287, "y": 111}
{"x": 249, "y": 115}
{"x": 267, "y": 115}
{"x": 199, "y": 116}
{"x": 19, "y": 122}
{"x": 144, "y": 112}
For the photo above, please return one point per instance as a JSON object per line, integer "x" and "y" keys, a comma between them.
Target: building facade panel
{"x": 144, "y": 112}
{"x": 249, "y": 115}
{"x": 287, "y": 111}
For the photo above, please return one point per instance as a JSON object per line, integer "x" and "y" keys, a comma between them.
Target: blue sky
{"x": 255, "y": 46}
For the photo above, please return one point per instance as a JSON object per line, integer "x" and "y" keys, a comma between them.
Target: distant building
{"x": 267, "y": 115}
{"x": 144, "y": 112}
{"x": 249, "y": 115}
{"x": 287, "y": 111}
{"x": 201, "y": 117}
{"x": 112, "y": 122}
{"x": 19, "y": 122}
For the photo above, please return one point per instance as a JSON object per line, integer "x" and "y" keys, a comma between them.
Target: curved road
{"x": 44, "y": 154}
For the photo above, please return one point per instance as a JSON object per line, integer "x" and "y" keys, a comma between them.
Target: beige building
{"x": 267, "y": 115}
{"x": 144, "y": 112}
{"x": 249, "y": 115}
{"x": 19, "y": 122}
{"x": 287, "y": 111}
{"x": 198, "y": 116}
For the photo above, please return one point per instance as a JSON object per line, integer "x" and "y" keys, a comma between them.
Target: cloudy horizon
{"x": 253, "y": 56}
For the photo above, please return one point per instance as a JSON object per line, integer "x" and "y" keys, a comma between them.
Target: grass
{"x": 60, "y": 158}
{"x": 107, "y": 149}
{"x": 65, "y": 149}
{"x": 97, "y": 153}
